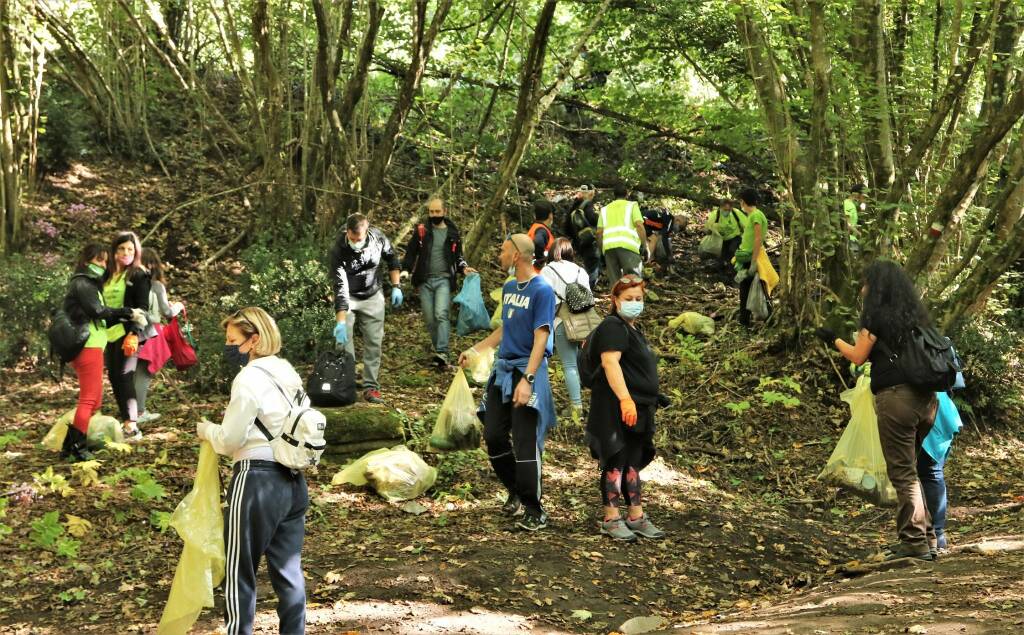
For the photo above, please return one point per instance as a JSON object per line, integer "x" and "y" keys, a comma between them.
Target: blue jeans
{"x": 933, "y": 484}
{"x": 567, "y": 355}
{"x": 436, "y": 301}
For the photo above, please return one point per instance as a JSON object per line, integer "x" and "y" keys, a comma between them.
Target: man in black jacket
{"x": 356, "y": 259}
{"x": 434, "y": 257}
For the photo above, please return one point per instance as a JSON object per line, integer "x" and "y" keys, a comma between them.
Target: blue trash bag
{"x": 473, "y": 315}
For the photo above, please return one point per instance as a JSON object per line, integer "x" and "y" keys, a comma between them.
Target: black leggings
{"x": 620, "y": 479}
{"x": 122, "y": 383}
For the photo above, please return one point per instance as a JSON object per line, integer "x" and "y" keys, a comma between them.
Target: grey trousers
{"x": 369, "y": 313}
{"x": 266, "y": 515}
{"x": 619, "y": 262}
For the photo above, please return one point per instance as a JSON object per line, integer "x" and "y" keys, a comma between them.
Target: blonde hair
{"x": 255, "y": 321}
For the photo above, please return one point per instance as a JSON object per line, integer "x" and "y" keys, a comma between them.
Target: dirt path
{"x": 754, "y": 542}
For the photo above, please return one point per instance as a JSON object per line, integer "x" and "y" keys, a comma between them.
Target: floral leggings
{"x": 620, "y": 480}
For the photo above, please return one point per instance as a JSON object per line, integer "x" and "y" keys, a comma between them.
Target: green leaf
{"x": 582, "y": 615}
{"x": 148, "y": 491}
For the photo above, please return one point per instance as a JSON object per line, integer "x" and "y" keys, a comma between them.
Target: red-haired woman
{"x": 623, "y": 400}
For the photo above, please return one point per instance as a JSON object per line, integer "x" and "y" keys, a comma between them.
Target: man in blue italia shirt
{"x": 518, "y": 410}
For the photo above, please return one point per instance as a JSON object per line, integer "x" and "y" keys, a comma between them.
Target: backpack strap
{"x": 259, "y": 424}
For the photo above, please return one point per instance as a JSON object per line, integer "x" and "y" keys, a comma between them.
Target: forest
{"x": 237, "y": 137}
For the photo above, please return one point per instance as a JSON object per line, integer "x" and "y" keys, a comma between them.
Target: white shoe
{"x": 132, "y": 434}
{"x": 147, "y": 417}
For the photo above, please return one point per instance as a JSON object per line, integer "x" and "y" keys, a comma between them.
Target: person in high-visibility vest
{"x": 851, "y": 209}
{"x": 540, "y": 232}
{"x": 750, "y": 247}
{"x": 621, "y": 234}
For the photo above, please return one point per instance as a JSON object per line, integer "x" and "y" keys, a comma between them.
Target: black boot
{"x": 65, "y": 450}
{"x": 77, "y": 450}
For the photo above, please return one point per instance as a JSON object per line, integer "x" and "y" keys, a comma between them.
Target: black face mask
{"x": 234, "y": 356}
{"x": 437, "y": 220}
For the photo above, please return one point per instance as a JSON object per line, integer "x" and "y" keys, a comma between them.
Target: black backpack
{"x": 66, "y": 337}
{"x": 587, "y": 367}
{"x": 333, "y": 382}
{"x": 582, "y": 227}
{"x": 926, "y": 359}
{"x": 578, "y": 298}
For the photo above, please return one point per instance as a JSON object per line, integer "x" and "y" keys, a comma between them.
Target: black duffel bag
{"x": 67, "y": 339}
{"x": 333, "y": 382}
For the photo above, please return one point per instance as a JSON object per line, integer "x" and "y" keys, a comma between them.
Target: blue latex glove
{"x": 396, "y": 297}
{"x": 341, "y": 333}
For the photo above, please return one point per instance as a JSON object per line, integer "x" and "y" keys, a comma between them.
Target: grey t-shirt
{"x": 438, "y": 262}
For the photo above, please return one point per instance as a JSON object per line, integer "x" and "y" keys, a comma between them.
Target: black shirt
{"x": 658, "y": 221}
{"x": 884, "y": 372}
{"x": 639, "y": 363}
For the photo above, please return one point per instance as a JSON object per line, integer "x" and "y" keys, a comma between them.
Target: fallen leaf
{"x": 582, "y": 615}
{"x": 639, "y": 625}
{"x": 77, "y": 527}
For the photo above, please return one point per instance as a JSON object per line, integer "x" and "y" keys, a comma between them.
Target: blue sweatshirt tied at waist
{"x": 541, "y": 401}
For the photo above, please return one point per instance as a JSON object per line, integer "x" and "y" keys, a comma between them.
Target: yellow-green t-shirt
{"x": 746, "y": 251}
{"x": 852, "y": 216}
{"x": 113, "y": 297}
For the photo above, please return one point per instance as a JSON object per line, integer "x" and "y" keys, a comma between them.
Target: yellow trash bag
{"x": 496, "y": 296}
{"x": 101, "y": 430}
{"x": 199, "y": 522}
{"x": 857, "y": 462}
{"x": 397, "y": 474}
{"x": 480, "y": 364}
{"x": 355, "y": 472}
{"x": 767, "y": 272}
{"x": 54, "y": 439}
{"x": 457, "y": 426}
{"x": 693, "y": 323}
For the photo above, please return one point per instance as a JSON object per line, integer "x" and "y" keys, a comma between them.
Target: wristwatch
{"x": 530, "y": 378}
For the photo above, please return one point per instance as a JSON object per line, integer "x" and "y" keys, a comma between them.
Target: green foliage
{"x": 63, "y": 134}
{"x": 457, "y": 471}
{"x": 5, "y": 529}
{"x": 9, "y": 438}
{"x": 160, "y": 520}
{"x": 72, "y": 595}
{"x": 52, "y": 481}
{"x": 782, "y": 391}
{"x": 738, "y": 408}
{"x": 32, "y": 287}
{"x": 146, "y": 491}
{"x": 145, "y": 488}
{"x": 690, "y": 351}
{"x": 48, "y": 533}
{"x": 992, "y": 355}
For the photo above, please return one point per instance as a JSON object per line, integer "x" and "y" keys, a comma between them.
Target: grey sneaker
{"x": 903, "y": 550}
{"x": 644, "y": 527}
{"x": 147, "y": 417}
{"x": 617, "y": 530}
{"x": 513, "y": 507}
{"x": 440, "y": 360}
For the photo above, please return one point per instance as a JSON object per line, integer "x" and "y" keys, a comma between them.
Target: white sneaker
{"x": 132, "y": 434}
{"x": 147, "y": 417}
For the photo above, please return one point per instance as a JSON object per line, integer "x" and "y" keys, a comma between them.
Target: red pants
{"x": 89, "y": 368}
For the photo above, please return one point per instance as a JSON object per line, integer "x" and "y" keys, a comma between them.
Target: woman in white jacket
{"x": 267, "y": 501}
{"x": 561, "y": 271}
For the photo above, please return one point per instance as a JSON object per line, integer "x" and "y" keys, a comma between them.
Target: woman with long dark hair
{"x": 84, "y": 304}
{"x": 892, "y": 309}
{"x": 158, "y": 309}
{"x": 127, "y": 286}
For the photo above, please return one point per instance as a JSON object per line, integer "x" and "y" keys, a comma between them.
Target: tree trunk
{"x": 372, "y": 175}
{"x": 971, "y": 167}
{"x": 874, "y": 95}
{"x": 533, "y": 102}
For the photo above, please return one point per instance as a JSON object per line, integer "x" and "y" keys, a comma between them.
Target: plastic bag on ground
{"x": 473, "y": 315}
{"x": 101, "y": 430}
{"x": 199, "y": 522}
{"x": 480, "y": 364}
{"x": 456, "y": 426}
{"x": 711, "y": 245}
{"x": 397, "y": 474}
{"x": 54, "y": 439}
{"x": 693, "y": 323}
{"x": 857, "y": 462}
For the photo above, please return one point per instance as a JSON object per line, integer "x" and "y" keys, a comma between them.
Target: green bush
{"x": 64, "y": 133}
{"x": 992, "y": 354}
{"x": 31, "y": 289}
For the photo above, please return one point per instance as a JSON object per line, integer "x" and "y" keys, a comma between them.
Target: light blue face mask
{"x": 357, "y": 246}
{"x": 631, "y": 309}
